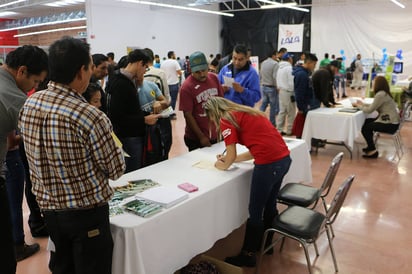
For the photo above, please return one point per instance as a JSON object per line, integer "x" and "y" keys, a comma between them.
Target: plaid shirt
{"x": 70, "y": 149}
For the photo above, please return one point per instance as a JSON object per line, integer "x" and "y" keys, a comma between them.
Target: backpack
{"x": 157, "y": 80}
{"x": 353, "y": 65}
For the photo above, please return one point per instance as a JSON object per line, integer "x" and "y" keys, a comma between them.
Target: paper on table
{"x": 204, "y": 164}
{"x": 164, "y": 195}
{"x": 228, "y": 81}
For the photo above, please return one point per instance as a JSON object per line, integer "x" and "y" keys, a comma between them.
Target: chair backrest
{"x": 331, "y": 174}
{"x": 338, "y": 200}
{"x": 405, "y": 112}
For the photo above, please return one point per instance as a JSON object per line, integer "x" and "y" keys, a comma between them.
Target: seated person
{"x": 388, "y": 118}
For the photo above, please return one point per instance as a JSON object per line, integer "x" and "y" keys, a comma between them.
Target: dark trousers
{"x": 134, "y": 147}
{"x": 82, "y": 239}
{"x": 370, "y": 126}
{"x": 195, "y": 144}
{"x": 266, "y": 182}
{"x": 8, "y": 257}
{"x": 35, "y": 218}
{"x": 15, "y": 190}
{"x": 174, "y": 90}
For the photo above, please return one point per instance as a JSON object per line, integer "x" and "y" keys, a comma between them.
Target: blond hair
{"x": 218, "y": 107}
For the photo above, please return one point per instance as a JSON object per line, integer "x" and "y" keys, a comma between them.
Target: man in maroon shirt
{"x": 195, "y": 91}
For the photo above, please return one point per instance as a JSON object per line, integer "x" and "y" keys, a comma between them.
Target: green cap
{"x": 198, "y": 61}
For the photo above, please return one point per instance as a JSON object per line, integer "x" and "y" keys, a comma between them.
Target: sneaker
{"x": 24, "y": 251}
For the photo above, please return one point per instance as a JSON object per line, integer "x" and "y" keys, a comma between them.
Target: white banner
{"x": 291, "y": 37}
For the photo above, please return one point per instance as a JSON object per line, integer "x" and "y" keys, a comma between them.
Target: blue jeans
{"x": 270, "y": 97}
{"x": 266, "y": 182}
{"x": 174, "y": 90}
{"x": 15, "y": 190}
{"x": 134, "y": 147}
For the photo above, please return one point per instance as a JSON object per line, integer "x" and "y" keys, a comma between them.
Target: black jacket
{"x": 123, "y": 107}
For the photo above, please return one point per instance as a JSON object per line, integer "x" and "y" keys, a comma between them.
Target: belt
{"x": 268, "y": 86}
{"x": 78, "y": 208}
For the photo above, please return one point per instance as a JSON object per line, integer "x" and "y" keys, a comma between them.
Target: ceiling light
{"x": 177, "y": 7}
{"x": 48, "y": 31}
{"x": 398, "y": 3}
{"x": 11, "y": 3}
{"x": 63, "y": 3}
{"x": 45, "y": 24}
{"x": 7, "y": 14}
{"x": 277, "y": 5}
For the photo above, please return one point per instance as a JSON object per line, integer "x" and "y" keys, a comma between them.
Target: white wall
{"x": 116, "y": 25}
{"x": 364, "y": 27}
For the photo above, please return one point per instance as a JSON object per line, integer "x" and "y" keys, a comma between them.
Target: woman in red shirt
{"x": 250, "y": 127}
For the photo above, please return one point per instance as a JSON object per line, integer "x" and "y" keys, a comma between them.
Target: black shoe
{"x": 243, "y": 259}
{"x": 24, "y": 251}
{"x": 344, "y": 96}
{"x": 40, "y": 231}
{"x": 367, "y": 149}
{"x": 373, "y": 155}
{"x": 283, "y": 133}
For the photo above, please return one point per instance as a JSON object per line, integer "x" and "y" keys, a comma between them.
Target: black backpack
{"x": 353, "y": 65}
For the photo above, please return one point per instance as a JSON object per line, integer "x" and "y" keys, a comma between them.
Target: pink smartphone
{"x": 188, "y": 187}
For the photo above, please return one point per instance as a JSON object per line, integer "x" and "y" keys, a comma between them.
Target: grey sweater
{"x": 385, "y": 106}
{"x": 11, "y": 100}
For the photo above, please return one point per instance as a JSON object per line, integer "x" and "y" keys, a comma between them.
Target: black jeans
{"x": 371, "y": 126}
{"x": 8, "y": 261}
{"x": 82, "y": 239}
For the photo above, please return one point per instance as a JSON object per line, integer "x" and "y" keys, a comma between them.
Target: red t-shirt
{"x": 256, "y": 133}
{"x": 193, "y": 96}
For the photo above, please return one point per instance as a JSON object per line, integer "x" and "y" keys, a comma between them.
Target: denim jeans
{"x": 266, "y": 182}
{"x": 270, "y": 97}
{"x": 15, "y": 190}
{"x": 174, "y": 90}
{"x": 134, "y": 147}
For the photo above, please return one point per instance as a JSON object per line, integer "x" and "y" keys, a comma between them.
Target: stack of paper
{"x": 163, "y": 195}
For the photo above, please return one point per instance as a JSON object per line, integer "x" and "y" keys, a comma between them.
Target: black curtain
{"x": 258, "y": 29}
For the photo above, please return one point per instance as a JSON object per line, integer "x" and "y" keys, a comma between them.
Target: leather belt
{"x": 78, "y": 208}
{"x": 268, "y": 86}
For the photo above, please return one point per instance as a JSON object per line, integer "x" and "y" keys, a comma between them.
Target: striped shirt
{"x": 70, "y": 149}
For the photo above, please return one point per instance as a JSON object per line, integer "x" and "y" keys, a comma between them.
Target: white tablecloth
{"x": 332, "y": 125}
{"x": 167, "y": 241}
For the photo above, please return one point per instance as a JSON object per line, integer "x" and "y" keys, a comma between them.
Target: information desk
{"x": 332, "y": 125}
{"x": 167, "y": 241}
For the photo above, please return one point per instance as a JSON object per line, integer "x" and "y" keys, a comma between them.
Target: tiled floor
{"x": 372, "y": 230}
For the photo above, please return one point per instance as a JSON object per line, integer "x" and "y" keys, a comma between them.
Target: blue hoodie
{"x": 248, "y": 78}
{"x": 304, "y": 95}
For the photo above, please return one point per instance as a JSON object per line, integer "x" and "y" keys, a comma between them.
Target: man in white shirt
{"x": 287, "y": 105}
{"x": 357, "y": 73}
{"x": 173, "y": 71}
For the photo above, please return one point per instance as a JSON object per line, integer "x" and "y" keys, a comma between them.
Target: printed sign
{"x": 291, "y": 37}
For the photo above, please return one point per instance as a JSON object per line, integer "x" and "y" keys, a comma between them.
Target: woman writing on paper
{"x": 250, "y": 127}
{"x": 387, "y": 120}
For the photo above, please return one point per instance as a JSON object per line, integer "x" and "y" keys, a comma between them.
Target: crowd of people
{"x": 58, "y": 144}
